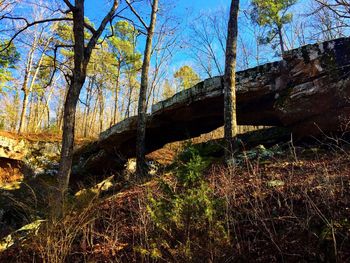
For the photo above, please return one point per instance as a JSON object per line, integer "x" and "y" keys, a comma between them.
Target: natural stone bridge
{"x": 308, "y": 92}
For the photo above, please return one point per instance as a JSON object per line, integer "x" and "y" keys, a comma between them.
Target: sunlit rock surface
{"x": 36, "y": 154}
{"x": 12, "y": 148}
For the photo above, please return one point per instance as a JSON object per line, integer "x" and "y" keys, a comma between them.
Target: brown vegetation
{"x": 10, "y": 171}
{"x": 289, "y": 208}
{"x": 42, "y": 136}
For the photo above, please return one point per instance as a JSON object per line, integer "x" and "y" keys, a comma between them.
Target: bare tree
{"x": 329, "y": 19}
{"x": 82, "y": 52}
{"x": 340, "y": 7}
{"x": 230, "y": 128}
{"x": 208, "y": 37}
{"x": 141, "y": 166}
{"x": 31, "y": 75}
{"x": 165, "y": 45}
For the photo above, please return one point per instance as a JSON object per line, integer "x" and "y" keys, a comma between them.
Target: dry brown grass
{"x": 42, "y": 136}
{"x": 305, "y": 218}
{"x": 10, "y": 171}
{"x": 281, "y": 210}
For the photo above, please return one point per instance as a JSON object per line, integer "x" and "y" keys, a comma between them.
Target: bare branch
{"x": 137, "y": 14}
{"x": 28, "y": 25}
{"x": 54, "y": 62}
{"x": 100, "y": 29}
{"x": 133, "y": 23}
{"x": 70, "y": 6}
{"x": 90, "y": 28}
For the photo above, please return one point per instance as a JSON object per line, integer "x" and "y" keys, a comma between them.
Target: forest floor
{"x": 281, "y": 204}
{"x": 44, "y": 136}
{"x": 11, "y": 171}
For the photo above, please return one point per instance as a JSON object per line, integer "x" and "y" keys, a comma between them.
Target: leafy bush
{"x": 187, "y": 216}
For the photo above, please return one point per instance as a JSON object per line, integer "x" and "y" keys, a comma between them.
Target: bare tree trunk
{"x": 23, "y": 111}
{"x": 280, "y": 36}
{"x": 30, "y": 114}
{"x": 230, "y": 127}
{"x": 92, "y": 130}
{"x": 15, "y": 121}
{"x": 48, "y": 116}
{"x": 115, "y": 117}
{"x": 130, "y": 91}
{"x": 122, "y": 108}
{"x": 77, "y": 82}
{"x": 68, "y": 132}
{"x": 60, "y": 117}
{"x": 37, "y": 106}
{"x": 59, "y": 108}
{"x": 46, "y": 108}
{"x": 82, "y": 56}
{"x": 141, "y": 167}
{"x": 25, "y": 88}
{"x": 88, "y": 106}
{"x": 101, "y": 107}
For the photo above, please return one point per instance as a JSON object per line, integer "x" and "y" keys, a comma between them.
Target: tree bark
{"x": 87, "y": 111}
{"x": 280, "y": 36}
{"x": 230, "y": 127}
{"x": 82, "y": 56}
{"x": 23, "y": 111}
{"x": 25, "y": 88}
{"x": 77, "y": 82}
{"x": 101, "y": 106}
{"x": 45, "y": 109}
{"x": 115, "y": 117}
{"x": 141, "y": 166}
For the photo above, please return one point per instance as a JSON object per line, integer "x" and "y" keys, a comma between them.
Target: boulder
{"x": 11, "y": 148}
{"x": 37, "y": 154}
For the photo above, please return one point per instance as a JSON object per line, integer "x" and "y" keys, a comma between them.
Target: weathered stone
{"x": 308, "y": 91}
{"x": 12, "y": 148}
{"x": 35, "y": 154}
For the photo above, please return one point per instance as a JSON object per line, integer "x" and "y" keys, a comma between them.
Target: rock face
{"x": 308, "y": 92}
{"x": 12, "y": 148}
{"x": 35, "y": 154}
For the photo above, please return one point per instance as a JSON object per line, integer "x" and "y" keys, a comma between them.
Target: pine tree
{"x": 8, "y": 60}
{"x": 274, "y": 15}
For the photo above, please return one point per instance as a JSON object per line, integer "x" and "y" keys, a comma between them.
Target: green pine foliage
{"x": 8, "y": 59}
{"x": 272, "y": 14}
{"x": 187, "y": 216}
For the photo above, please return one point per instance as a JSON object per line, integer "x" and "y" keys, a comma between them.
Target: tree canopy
{"x": 8, "y": 59}
{"x": 186, "y": 77}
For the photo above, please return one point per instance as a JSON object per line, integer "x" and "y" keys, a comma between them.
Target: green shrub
{"x": 187, "y": 216}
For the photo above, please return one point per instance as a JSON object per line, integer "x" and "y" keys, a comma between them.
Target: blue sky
{"x": 185, "y": 10}
{"x": 95, "y": 9}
